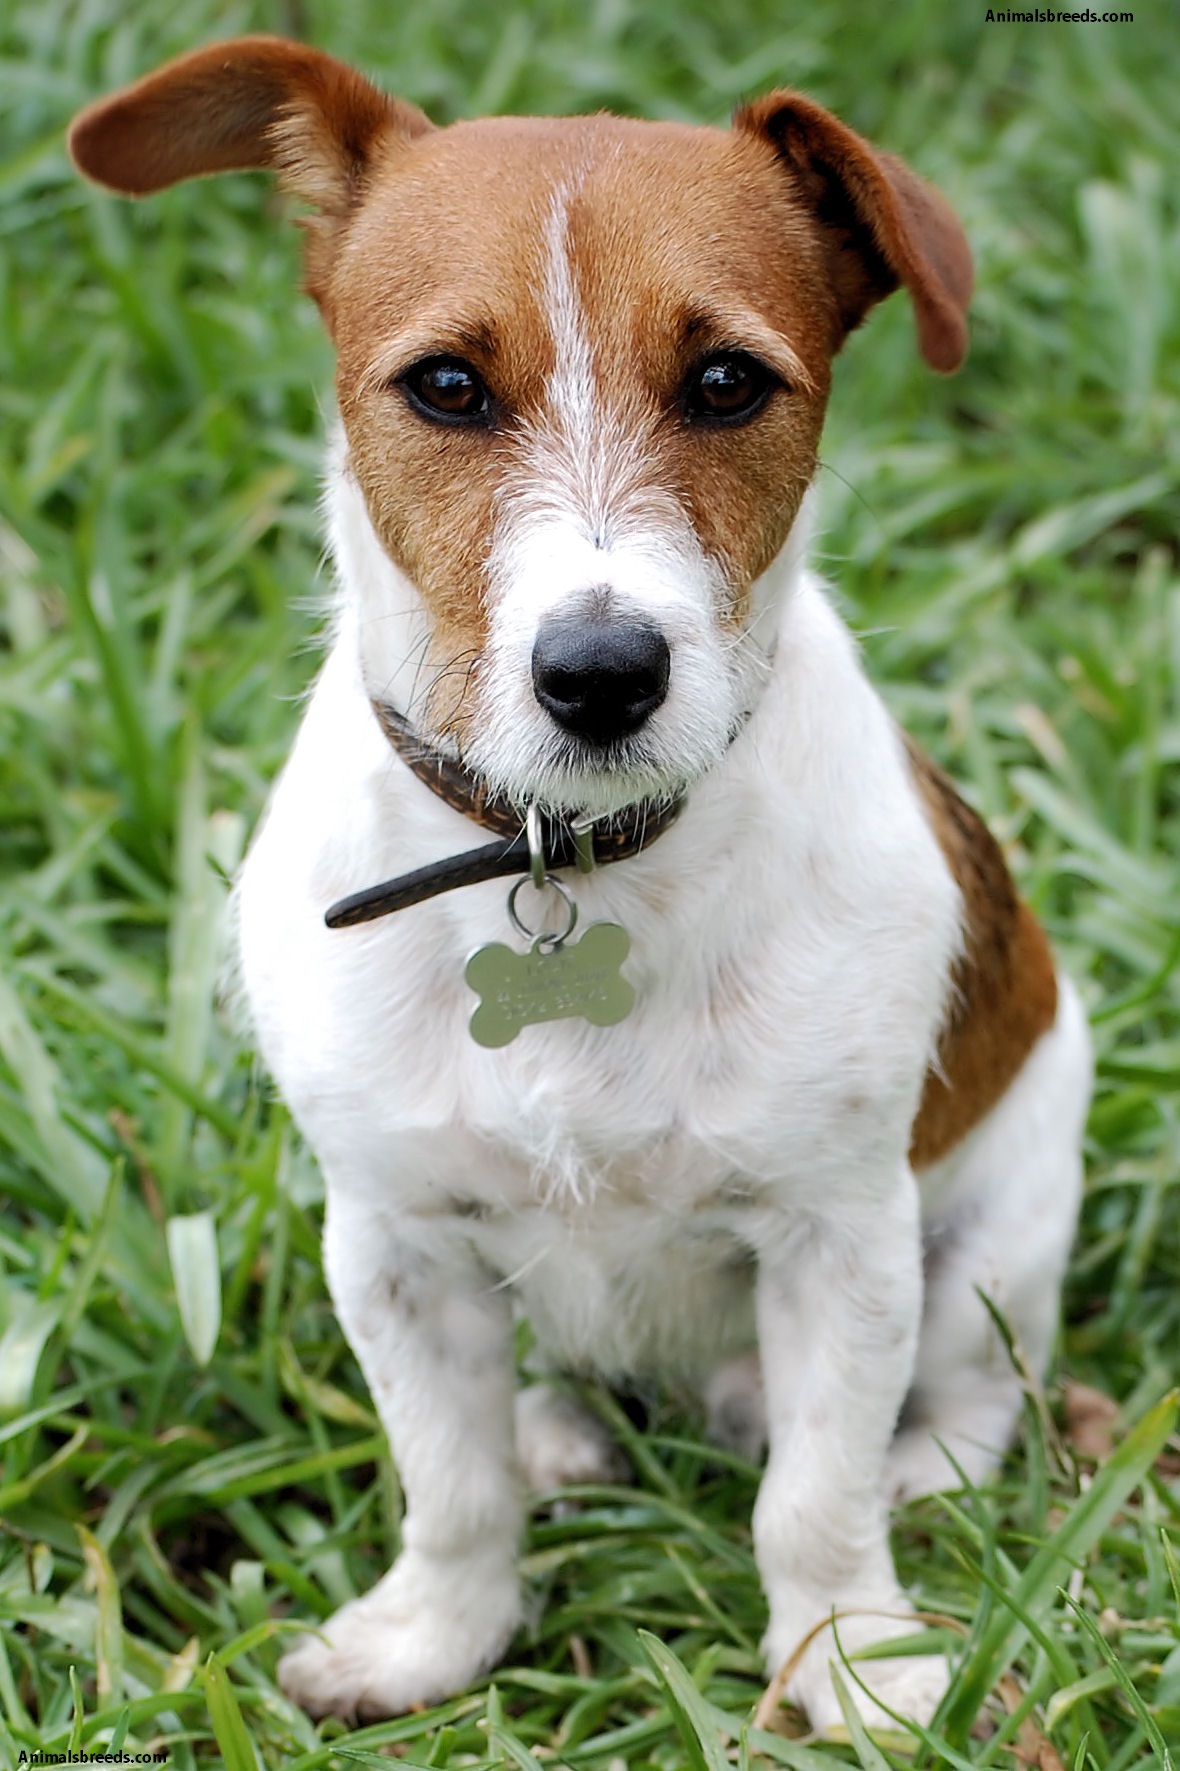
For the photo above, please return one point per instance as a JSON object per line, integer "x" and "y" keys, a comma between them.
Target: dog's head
{"x": 582, "y": 370}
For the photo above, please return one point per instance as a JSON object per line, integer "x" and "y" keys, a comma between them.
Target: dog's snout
{"x": 600, "y": 678}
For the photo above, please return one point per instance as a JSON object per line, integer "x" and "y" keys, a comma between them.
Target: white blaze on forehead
{"x": 582, "y": 457}
{"x": 570, "y": 390}
{"x": 583, "y": 520}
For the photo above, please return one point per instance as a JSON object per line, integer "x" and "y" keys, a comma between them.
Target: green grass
{"x": 1005, "y": 542}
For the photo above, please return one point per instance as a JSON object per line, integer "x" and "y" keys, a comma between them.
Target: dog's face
{"x": 582, "y": 398}
{"x": 582, "y": 370}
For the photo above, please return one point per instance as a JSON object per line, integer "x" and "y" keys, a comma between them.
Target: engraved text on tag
{"x": 549, "y": 983}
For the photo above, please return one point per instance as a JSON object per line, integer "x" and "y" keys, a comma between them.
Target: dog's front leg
{"x": 434, "y": 1340}
{"x": 838, "y": 1323}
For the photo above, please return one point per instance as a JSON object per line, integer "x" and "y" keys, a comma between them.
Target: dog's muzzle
{"x": 600, "y": 679}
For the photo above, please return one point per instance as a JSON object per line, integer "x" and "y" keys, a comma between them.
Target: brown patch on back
{"x": 1005, "y": 987}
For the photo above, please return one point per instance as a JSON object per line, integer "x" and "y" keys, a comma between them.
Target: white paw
{"x": 559, "y": 1442}
{"x": 427, "y": 1630}
{"x": 911, "y": 1688}
{"x": 917, "y": 1464}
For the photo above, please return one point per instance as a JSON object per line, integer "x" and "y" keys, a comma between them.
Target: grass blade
{"x": 688, "y": 1708}
{"x": 1036, "y": 1591}
{"x": 108, "y": 1635}
{"x": 196, "y": 1270}
{"x": 1125, "y": 1683}
{"x": 871, "y": 1758}
{"x": 228, "y": 1724}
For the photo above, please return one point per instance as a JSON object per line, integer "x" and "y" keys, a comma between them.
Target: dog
{"x": 809, "y": 1090}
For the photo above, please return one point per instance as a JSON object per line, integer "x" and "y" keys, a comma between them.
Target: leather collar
{"x": 567, "y": 840}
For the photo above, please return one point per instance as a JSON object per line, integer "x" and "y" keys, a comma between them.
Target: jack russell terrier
{"x": 807, "y": 1085}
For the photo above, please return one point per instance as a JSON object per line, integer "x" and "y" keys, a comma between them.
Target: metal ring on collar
{"x": 532, "y": 829}
{"x": 550, "y": 938}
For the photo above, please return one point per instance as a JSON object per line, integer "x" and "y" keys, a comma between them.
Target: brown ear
{"x": 248, "y": 102}
{"x": 883, "y": 225}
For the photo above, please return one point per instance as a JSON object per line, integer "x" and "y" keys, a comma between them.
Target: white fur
{"x": 393, "y": 629}
{"x": 559, "y": 1442}
{"x": 723, "y": 1171}
{"x": 1000, "y": 1215}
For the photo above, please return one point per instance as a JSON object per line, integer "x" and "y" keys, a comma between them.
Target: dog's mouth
{"x": 601, "y": 781}
{"x": 563, "y": 773}
{"x": 569, "y": 775}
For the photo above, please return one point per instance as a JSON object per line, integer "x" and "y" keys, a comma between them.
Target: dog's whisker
{"x": 462, "y": 663}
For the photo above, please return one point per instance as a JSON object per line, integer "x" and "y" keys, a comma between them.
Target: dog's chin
{"x": 572, "y": 777}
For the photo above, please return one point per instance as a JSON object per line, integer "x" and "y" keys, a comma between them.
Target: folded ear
{"x": 882, "y": 225}
{"x": 248, "y": 102}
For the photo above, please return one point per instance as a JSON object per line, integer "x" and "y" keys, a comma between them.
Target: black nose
{"x": 599, "y": 678}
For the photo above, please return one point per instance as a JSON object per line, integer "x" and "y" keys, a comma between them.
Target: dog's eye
{"x": 446, "y": 388}
{"x": 728, "y": 388}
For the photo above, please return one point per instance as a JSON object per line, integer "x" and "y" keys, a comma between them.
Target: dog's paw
{"x": 918, "y": 1465}
{"x": 559, "y": 1442}
{"x": 910, "y": 1688}
{"x": 426, "y": 1631}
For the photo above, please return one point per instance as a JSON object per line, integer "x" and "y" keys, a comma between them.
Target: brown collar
{"x": 565, "y": 840}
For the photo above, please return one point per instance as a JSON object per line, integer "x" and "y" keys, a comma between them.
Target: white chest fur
{"x": 790, "y": 965}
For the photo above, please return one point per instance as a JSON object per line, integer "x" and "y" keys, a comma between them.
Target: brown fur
{"x": 252, "y": 102}
{"x": 1005, "y": 989}
{"x": 882, "y": 226}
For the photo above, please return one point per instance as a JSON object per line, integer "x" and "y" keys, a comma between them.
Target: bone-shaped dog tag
{"x": 549, "y": 983}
